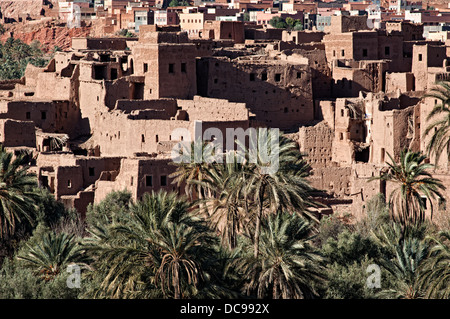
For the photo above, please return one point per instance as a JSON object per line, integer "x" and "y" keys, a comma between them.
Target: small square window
{"x": 145, "y": 67}
{"x": 91, "y": 171}
{"x": 171, "y": 68}
{"x": 43, "y": 115}
{"x": 277, "y": 77}
{"x": 252, "y": 76}
{"x": 28, "y": 115}
{"x": 183, "y": 67}
{"x": 420, "y": 57}
{"x": 264, "y": 76}
{"x": 364, "y": 52}
{"x": 387, "y": 51}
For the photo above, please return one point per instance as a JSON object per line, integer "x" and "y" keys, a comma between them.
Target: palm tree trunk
{"x": 258, "y": 222}
{"x": 176, "y": 285}
{"x": 257, "y": 231}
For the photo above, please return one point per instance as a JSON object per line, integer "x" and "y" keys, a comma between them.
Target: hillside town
{"x": 348, "y": 81}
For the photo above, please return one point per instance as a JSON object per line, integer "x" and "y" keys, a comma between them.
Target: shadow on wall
{"x": 285, "y": 106}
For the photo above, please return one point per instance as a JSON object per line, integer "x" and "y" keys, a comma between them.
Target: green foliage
{"x": 158, "y": 249}
{"x": 17, "y": 198}
{"x": 18, "y": 282}
{"x": 288, "y": 265}
{"x": 125, "y": 33}
{"x": 51, "y": 254}
{"x": 176, "y": 3}
{"x": 288, "y": 23}
{"x": 15, "y": 56}
{"x": 413, "y": 181}
{"x": 349, "y": 281}
{"x": 330, "y": 227}
{"x": 112, "y": 208}
{"x": 350, "y": 247}
{"x": 278, "y": 22}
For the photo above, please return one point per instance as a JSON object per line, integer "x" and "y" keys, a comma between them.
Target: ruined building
{"x": 104, "y": 115}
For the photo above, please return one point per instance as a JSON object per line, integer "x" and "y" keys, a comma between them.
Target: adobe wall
{"x": 424, "y": 57}
{"x": 224, "y": 30}
{"x": 133, "y": 177}
{"x": 324, "y": 110}
{"x": 169, "y": 106}
{"x": 403, "y": 82}
{"x": 68, "y": 181}
{"x": 367, "y": 76}
{"x": 169, "y": 69}
{"x": 99, "y": 43}
{"x": 335, "y": 180}
{"x": 17, "y": 133}
{"x": 278, "y": 93}
{"x": 299, "y": 37}
{"x": 342, "y": 23}
{"x": 49, "y": 116}
{"x": 316, "y": 143}
{"x": 181, "y": 83}
{"x": 209, "y": 109}
{"x": 320, "y": 71}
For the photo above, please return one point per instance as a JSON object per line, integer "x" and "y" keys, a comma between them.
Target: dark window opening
{"x": 252, "y": 76}
{"x": 277, "y": 77}
{"x": 148, "y": 181}
{"x": 28, "y": 115}
{"x": 364, "y": 52}
{"x": 163, "y": 180}
{"x": 145, "y": 67}
{"x": 113, "y": 74}
{"x": 142, "y": 138}
{"x": 171, "y": 68}
{"x": 420, "y": 57}
{"x": 387, "y": 51}
{"x": 183, "y": 67}
{"x": 264, "y": 76}
{"x": 99, "y": 72}
{"x": 43, "y": 115}
{"x": 362, "y": 156}
{"x": 299, "y": 75}
{"x": 91, "y": 171}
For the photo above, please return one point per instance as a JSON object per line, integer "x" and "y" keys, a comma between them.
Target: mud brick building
{"x": 106, "y": 114}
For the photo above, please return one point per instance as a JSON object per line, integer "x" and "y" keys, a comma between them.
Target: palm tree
{"x": 226, "y": 199}
{"x": 439, "y": 129}
{"x": 278, "y": 183}
{"x": 192, "y": 167}
{"x": 406, "y": 269}
{"x": 415, "y": 184}
{"x": 158, "y": 250}
{"x": 53, "y": 253}
{"x": 16, "y": 192}
{"x": 435, "y": 279}
{"x": 288, "y": 265}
